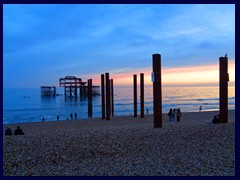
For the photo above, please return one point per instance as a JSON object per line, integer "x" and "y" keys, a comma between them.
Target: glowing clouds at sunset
{"x": 206, "y": 74}
{"x": 196, "y": 74}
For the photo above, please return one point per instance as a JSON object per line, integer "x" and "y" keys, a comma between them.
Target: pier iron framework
{"x": 74, "y": 86}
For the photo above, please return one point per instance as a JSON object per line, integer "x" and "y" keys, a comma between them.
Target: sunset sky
{"x": 43, "y": 43}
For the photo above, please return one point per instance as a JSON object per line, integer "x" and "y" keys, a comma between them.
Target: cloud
{"x": 93, "y": 39}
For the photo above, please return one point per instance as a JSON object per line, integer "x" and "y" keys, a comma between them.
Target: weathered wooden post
{"x": 142, "y": 94}
{"x": 103, "y": 96}
{"x": 107, "y": 96}
{"x": 157, "y": 90}
{"x": 112, "y": 97}
{"x": 135, "y": 94}
{"x": 54, "y": 91}
{"x": 89, "y": 97}
{"x": 223, "y": 84}
{"x": 75, "y": 91}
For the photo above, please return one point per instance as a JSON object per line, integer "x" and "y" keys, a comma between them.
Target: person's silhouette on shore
{"x": 216, "y": 119}
{"x": 169, "y": 114}
{"x": 75, "y": 115}
{"x": 179, "y": 114}
{"x": 57, "y": 117}
{"x": 71, "y": 116}
{"x": 8, "y": 131}
{"x": 18, "y": 131}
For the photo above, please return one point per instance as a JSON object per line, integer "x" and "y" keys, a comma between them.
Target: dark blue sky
{"x": 45, "y": 42}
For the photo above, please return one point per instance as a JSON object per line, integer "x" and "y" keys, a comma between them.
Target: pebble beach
{"x": 122, "y": 146}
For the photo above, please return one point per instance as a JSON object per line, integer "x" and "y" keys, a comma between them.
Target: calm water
{"x": 27, "y": 105}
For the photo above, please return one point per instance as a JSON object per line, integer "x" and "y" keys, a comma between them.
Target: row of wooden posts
{"x": 107, "y": 94}
{"x": 108, "y": 107}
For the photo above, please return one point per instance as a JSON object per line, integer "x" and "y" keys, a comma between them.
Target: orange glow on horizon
{"x": 173, "y": 76}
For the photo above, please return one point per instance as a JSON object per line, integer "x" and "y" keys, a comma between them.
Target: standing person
{"x": 172, "y": 116}
{"x": 75, "y": 115}
{"x": 43, "y": 118}
{"x": 147, "y": 110}
{"x": 179, "y": 114}
{"x": 71, "y": 116}
{"x": 169, "y": 114}
{"x": 57, "y": 117}
{"x": 200, "y": 108}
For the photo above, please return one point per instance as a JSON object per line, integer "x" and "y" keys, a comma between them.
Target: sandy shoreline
{"x": 122, "y": 146}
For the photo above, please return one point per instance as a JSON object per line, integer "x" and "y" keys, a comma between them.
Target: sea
{"x": 27, "y": 105}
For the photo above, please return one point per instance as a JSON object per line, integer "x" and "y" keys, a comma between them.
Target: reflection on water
{"x": 27, "y": 105}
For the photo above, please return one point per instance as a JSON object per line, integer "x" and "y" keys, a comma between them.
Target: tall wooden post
{"x": 157, "y": 90}
{"x": 112, "y": 97}
{"x": 75, "y": 93}
{"x": 80, "y": 90}
{"x": 70, "y": 90}
{"x": 107, "y": 97}
{"x": 54, "y": 91}
{"x": 135, "y": 94}
{"x": 223, "y": 84}
{"x": 142, "y": 94}
{"x": 89, "y": 97}
{"x": 103, "y": 96}
{"x": 65, "y": 90}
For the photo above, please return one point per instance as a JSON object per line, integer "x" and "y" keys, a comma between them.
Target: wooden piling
{"x": 223, "y": 85}
{"x": 75, "y": 91}
{"x": 70, "y": 90}
{"x": 142, "y": 94}
{"x": 107, "y": 96}
{"x": 112, "y": 98}
{"x": 135, "y": 94}
{"x": 157, "y": 90}
{"x": 90, "y": 98}
{"x": 103, "y": 96}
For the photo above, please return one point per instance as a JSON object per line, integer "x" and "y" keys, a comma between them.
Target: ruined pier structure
{"x": 74, "y": 86}
{"x": 48, "y": 91}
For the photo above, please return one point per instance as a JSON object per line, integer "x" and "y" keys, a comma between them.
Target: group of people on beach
{"x": 174, "y": 112}
{"x": 71, "y": 117}
{"x": 18, "y": 131}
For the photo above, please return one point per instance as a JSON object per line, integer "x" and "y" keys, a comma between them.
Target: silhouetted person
{"x": 57, "y": 117}
{"x": 147, "y": 110}
{"x": 75, "y": 115}
{"x": 172, "y": 116}
{"x": 179, "y": 114}
{"x": 71, "y": 116}
{"x": 8, "y": 131}
{"x": 18, "y": 131}
{"x": 169, "y": 114}
{"x": 200, "y": 108}
{"x": 43, "y": 118}
{"x": 216, "y": 119}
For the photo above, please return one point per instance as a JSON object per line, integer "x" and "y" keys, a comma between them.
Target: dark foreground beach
{"x": 122, "y": 146}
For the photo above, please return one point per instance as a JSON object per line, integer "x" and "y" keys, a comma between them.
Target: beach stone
{"x": 123, "y": 146}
